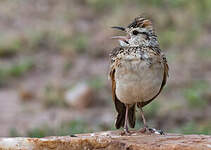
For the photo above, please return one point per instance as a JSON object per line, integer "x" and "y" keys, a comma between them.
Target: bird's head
{"x": 139, "y": 32}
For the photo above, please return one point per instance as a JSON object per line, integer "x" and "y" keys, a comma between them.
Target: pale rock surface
{"x": 110, "y": 140}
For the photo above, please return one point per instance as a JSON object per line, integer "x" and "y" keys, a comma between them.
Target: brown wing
{"x": 120, "y": 107}
{"x": 165, "y": 76}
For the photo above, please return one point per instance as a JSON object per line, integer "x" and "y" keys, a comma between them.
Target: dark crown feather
{"x": 139, "y": 22}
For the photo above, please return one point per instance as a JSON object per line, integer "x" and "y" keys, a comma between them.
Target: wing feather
{"x": 165, "y": 76}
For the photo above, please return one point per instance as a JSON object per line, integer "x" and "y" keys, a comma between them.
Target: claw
{"x": 143, "y": 130}
{"x": 127, "y": 133}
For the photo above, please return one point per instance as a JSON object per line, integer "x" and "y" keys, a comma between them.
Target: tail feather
{"x": 120, "y": 121}
{"x": 121, "y": 109}
{"x": 132, "y": 116}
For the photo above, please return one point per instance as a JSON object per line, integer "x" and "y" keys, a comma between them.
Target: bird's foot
{"x": 125, "y": 132}
{"x": 151, "y": 130}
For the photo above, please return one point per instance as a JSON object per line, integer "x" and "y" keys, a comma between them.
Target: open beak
{"x": 121, "y": 38}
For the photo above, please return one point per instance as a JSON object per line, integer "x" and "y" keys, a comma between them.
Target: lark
{"x": 138, "y": 71}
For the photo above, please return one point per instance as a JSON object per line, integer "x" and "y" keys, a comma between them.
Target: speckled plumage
{"x": 132, "y": 61}
{"x": 138, "y": 70}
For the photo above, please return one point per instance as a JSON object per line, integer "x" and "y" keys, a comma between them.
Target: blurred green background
{"x": 54, "y": 65}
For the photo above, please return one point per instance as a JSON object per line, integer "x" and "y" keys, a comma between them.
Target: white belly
{"x": 137, "y": 82}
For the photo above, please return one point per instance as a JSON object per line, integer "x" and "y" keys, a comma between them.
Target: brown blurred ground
{"x": 48, "y": 48}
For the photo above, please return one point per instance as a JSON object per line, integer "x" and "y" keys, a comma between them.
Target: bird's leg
{"x": 146, "y": 128}
{"x": 126, "y": 120}
{"x": 144, "y": 121}
{"x": 143, "y": 118}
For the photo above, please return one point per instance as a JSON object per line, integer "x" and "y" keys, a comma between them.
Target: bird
{"x": 138, "y": 72}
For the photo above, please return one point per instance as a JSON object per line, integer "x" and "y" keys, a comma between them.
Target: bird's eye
{"x": 145, "y": 33}
{"x": 135, "y": 32}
